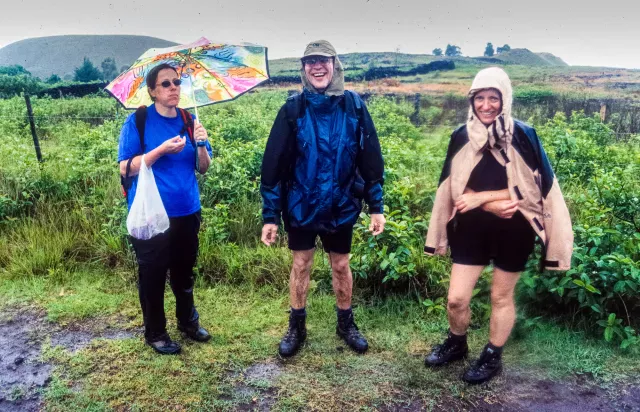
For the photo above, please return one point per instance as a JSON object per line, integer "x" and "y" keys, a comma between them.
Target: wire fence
{"x": 59, "y": 118}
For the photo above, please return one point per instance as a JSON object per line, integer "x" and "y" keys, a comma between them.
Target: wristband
{"x": 200, "y": 143}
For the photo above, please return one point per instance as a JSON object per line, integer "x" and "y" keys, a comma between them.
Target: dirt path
{"x": 523, "y": 391}
{"x": 23, "y": 376}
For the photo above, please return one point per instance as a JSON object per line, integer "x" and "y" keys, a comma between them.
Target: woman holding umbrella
{"x": 170, "y": 143}
{"x": 208, "y": 73}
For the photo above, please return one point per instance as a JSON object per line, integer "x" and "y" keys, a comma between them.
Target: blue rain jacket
{"x": 319, "y": 167}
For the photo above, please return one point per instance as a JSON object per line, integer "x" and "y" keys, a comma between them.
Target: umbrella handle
{"x": 195, "y": 105}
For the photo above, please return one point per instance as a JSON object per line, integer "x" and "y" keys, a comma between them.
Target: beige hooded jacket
{"x": 529, "y": 175}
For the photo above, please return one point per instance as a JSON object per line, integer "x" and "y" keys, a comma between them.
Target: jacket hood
{"x": 481, "y": 135}
{"x": 335, "y": 88}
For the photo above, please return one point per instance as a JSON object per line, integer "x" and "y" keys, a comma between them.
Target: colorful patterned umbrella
{"x": 210, "y": 72}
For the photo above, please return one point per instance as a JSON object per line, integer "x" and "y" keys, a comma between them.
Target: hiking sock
{"x": 344, "y": 313}
{"x": 491, "y": 348}
{"x": 456, "y": 338}
{"x": 299, "y": 312}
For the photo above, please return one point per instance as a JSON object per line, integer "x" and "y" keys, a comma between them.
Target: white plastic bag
{"x": 147, "y": 216}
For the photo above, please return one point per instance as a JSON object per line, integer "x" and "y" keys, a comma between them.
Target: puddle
{"x": 253, "y": 389}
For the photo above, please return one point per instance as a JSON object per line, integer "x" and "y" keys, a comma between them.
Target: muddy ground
{"x": 23, "y": 377}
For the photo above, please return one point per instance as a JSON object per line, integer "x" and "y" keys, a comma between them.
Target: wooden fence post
{"x": 36, "y": 142}
{"x": 416, "y": 109}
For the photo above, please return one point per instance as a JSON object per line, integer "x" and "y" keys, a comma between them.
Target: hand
{"x": 377, "y": 224}
{"x": 502, "y": 208}
{"x": 469, "y": 201}
{"x": 173, "y": 145}
{"x": 269, "y": 233}
{"x": 199, "y": 132}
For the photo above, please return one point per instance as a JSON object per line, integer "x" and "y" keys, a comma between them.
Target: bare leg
{"x": 342, "y": 279}
{"x": 463, "y": 280}
{"x": 299, "y": 278}
{"x": 503, "y": 308}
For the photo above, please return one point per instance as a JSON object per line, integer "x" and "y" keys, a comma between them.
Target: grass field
{"x": 68, "y": 301}
{"x": 248, "y": 322}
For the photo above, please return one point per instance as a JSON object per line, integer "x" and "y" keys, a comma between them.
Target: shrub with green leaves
{"x": 68, "y": 211}
{"x": 600, "y": 180}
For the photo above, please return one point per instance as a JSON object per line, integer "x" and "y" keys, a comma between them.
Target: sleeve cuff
{"x": 271, "y": 220}
{"x": 376, "y": 209}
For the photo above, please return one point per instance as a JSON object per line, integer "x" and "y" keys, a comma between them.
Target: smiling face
{"x": 168, "y": 97}
{"x": 487, "y": 105}
{"x": 319, "y": 71}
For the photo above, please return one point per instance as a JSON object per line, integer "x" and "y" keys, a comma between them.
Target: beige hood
{"x": 501, "y": 129}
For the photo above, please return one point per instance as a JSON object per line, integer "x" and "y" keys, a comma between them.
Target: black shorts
{"x": 477, "y": 237}
{"x": 337, "y": 242}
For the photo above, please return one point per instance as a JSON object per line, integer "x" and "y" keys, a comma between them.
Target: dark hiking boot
{"x": 348, "y": 331}
{"x": 452, "y": 349}
{"x": 195, "y": 332}
{"x": 164, "y": 345}
{"x": 295, "y": 336}
{"x": 486, "y": 367}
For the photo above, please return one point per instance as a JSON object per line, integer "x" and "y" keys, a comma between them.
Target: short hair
{"x": 152, "y": 77}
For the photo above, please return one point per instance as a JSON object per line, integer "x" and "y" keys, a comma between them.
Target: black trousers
{"x": 175, "y": 251}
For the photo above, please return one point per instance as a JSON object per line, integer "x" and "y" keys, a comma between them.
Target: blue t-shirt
{"x": 174, "y": 173}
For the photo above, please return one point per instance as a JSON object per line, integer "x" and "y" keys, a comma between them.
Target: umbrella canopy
{"x": 210, "y": 73}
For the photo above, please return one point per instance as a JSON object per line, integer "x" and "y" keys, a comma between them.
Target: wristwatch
{"x": 200, "y": 143}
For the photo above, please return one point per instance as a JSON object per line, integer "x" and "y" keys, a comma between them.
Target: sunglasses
{"x": 316, "y": 59}
{"x": 166, "y": 84}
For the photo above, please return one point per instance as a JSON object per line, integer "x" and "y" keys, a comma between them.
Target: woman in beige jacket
{"x": 497, "y": 192}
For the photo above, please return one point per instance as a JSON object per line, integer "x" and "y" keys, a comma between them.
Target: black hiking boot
{"x": 452, "y": 349}
{"x": 295, "y": 336}
{"x": 486, "y": 367}
{"x": 195, "y": 332}
{"x": 348, "y": 331}
{"x": 164, "y": 345}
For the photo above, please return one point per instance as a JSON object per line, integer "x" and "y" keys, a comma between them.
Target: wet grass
{"x": 247, "y": 324}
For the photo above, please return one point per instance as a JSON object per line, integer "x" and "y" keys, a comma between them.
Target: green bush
{"x": 600, "y": 178}
{"x": 68, "y": 211}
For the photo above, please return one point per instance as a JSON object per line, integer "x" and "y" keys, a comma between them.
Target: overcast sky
{"x": 598, "y": 33}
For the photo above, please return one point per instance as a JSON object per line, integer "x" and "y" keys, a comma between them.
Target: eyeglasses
{"x": 316, "y": 59}
{"x": 166, "y": 84}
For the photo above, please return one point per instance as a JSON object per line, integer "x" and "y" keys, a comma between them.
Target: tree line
{"x": 452, "y": 50}
{"x": 16, "y": 79}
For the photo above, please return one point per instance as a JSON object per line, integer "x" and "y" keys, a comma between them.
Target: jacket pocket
{"x": 294, "y": 197}
{"x": 357, "y": 188}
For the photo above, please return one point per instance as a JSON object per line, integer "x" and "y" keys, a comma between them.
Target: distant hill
{"x": 363, "y": 61}
{"x": 553, "y": 59}
{"x": 526, "y": 57}
{"x": 355, "y": 61}
{"x": 62, "y": 54}
{"x": 44, "y": 56}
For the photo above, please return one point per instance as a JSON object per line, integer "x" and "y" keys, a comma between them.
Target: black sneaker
{"x": 486, "y": 367}
{"x": 295, "y": 336}
{"x": 195, "y": 332}
{"x": 164, "y": 345}
{"x": 451, "y": 350}
{"x": 348, "y": 331}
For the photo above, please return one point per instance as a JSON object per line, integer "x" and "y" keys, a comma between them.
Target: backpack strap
{"x": 294, "y": 107}
{"x": 353, "y": 103}
{"x": 141, "y": 119}
{"x": 189, "y": 128}
{"x": 188, "y": 124}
